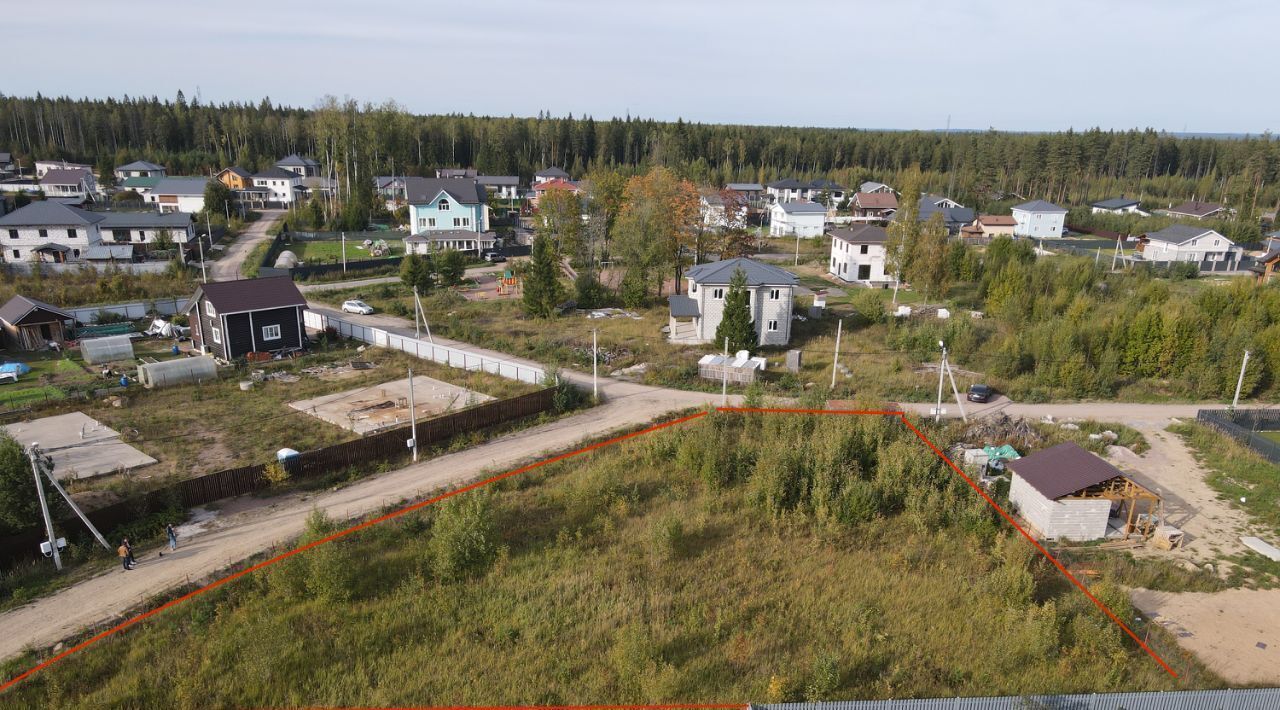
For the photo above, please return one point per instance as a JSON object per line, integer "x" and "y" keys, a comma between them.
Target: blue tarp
{"x": 20, "y": 368}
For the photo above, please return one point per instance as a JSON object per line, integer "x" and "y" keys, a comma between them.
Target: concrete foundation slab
{"x": 370, "y": 409}
{"x": 80, "y": 446}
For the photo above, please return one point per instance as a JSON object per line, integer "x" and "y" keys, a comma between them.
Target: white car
{"x": 357, "y": 306}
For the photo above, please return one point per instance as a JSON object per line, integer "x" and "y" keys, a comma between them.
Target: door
{"x": 864, "y": 272}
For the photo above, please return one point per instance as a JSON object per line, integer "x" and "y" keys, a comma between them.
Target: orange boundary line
{"x": 560, "y": 457}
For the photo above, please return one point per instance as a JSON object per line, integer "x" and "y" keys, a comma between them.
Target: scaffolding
{"x": 1129, "y": 494}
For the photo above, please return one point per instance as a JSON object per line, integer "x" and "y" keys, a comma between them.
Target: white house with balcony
{"x": 70, "y": 184}
{"x": 696, "y": 314}
{"x": 178, "y": 194}
{"x": 797, "y": 219}
{"x": 280, "y": 186}
{"x": 44, "y": 166}
{"x": 858, "y": 255}
{"x": 1039, "y": 219}
{"x": 1185, "y": 242}
{"x": 49, "y": 231}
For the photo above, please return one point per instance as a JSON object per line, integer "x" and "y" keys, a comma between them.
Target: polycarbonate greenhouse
{"x": 111, "y": 348}
{"x": 177, "y": 372}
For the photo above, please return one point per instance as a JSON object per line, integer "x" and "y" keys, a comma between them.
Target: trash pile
{"x": 613, "y": 313}
{"x": 161, "y": 328}
{"x": 582, "y": 353}
{"x": 1003, "y": 429}
{"x": 264, "y": 376}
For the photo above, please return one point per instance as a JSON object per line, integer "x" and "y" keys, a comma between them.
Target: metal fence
{"x": 1225, "y": 699}
{"x": 443, "y": 354}
{"x": 1244, "y": 426}
{"x": 383, "y": 447}
{"x": 133, "y": 310}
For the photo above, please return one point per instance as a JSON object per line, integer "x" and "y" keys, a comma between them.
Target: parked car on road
{"x": 493, "y": 256}
{"x": 981, "y": 393}
{"x": 357, "y": 306}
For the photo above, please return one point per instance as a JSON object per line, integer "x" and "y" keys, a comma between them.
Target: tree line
{"x": 355, "y": 141}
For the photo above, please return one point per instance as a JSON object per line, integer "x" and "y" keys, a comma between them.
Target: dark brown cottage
{"x": 31, "y": 325}
{"x": 230, "y": 319}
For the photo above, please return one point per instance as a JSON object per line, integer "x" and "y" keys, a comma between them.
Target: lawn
{"x": 52, "y": 376}
{"x": 734, "y": 559}
{"x": 1272, "y": 435}
{"x": 330, "y": 251}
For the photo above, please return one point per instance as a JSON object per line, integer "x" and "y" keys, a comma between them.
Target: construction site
{"x": 366, "y": 410}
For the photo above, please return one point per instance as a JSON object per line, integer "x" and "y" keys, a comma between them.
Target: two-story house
{"x": 541, "y": 189}
{"x": 721, "y": 213}
{"x": 1185, "y": 242}
{"x": 752, "y": 194}
{"x": 230, "y": 319}
{"x": 280, "y": 185}
{"x": 178, "y": 194}
{"x": 76, "y": 184}
{"x": 828, "y": 192}
{"x": 1039, "y": 219}
{"x": 797, "y": 219}
{"x": 138, "y": 169}
{"x": 145, "y": 228}
{"x": 1117, "y": 205}
{"x": 235, "y": 178}
{"x": 504, "y": 187}
{"x": 695, "y": 317}
{"x": 549, "y": 174}
{"x": 48, "y": 231}
{"x": 443, "y": 204}
{"x": 300, "y": 166}
{"x": 954, "y": 215}
{"x": 873, "y": 187}
{"x": 858, "y": 255}
{"x": 44, "y": 166}
{"x": 873, "y": 206}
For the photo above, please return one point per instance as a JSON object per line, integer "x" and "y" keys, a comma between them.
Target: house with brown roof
{"x": 874, "y": 205}
{"x": 230, "y": 319}
{"x": 1065, "y": 492}
{"x": 987, "y": 226}
{"x": 235, "y": 178}
{"x": 1267, "y": 267}
{"x": 1197, "y": 210}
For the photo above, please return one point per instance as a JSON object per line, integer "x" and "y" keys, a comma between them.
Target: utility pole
{"x": 942, "y": 371}
{"x": 724, "y": 387}
{"x": 33, "y": 454}
{"x": 344, "y": 252}
{"x": 946, "y": 361}
{"x": 797, "y": 248}
{"x": 413, "y": 419}
{"x": 835, "y": 362}
{"x": 1240, "y": 382}
{"x": 53, "y": 480}
{"x": 416, "y": 308}
{"x": 595, "y": 368}
{"x": 417, "y": 304}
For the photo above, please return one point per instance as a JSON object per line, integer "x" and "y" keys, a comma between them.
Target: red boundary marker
{"x": 560, "y": 457}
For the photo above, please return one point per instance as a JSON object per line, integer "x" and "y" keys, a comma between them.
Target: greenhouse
{"x": 112, "y": 348}
{"x": 177, "y": 372}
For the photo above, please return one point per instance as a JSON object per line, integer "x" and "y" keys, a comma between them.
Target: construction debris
{"x": 1003, "y": 429}
{"x": 613, "y": 313}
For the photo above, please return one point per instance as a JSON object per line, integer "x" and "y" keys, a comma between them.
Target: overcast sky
{"x": 1009, "y": 64}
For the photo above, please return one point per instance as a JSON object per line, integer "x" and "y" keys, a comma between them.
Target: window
{"x": 833, "y": 262}
{"x": 15, "y": 254}
{"x": 693, "y": 287}
{"x": 717, "y": 294}
{"x": 422, "y": 221}
{"x": 13, "y": 234}
{"x": 44, "y": 234}
{"x": 443, "y": 206}
{"x": 775, "y": 294}
{"x": 217, "y": 336}
{"x": 142, "y": 236}
{"x": 270, "y": 332}
{"x": 71, "y": 234}
{"x": 864, "y": 249}
{"x": 431, "y": 221}
{"x": 208, "y": 309}
{"x": 773, "y": 326}
{"x": 457, "y": 222}
{"x": 466, "y": 221}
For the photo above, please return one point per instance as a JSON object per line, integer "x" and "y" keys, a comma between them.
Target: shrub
{"x": 462, "y": 538}
{"x": 275, "y": 473}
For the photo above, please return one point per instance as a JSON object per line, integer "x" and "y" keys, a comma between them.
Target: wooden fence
{"x": 382, "y": 447}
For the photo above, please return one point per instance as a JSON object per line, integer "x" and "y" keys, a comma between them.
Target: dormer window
{"x": 443, "y": 206}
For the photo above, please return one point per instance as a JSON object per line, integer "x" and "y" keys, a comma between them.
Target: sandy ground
{"x": 246, "y": 526}
{"x": 1235, "y": 633}
{"x": 369, "y": 409}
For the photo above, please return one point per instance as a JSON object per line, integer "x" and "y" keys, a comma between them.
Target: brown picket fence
{"x": 383, "y": 447}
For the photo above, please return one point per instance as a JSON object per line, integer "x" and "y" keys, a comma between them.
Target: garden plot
{"x": 376, "y": 407}
{"x": 80, "y": 446}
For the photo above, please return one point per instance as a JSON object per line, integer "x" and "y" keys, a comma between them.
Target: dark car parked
{"x": 981, "y": 393}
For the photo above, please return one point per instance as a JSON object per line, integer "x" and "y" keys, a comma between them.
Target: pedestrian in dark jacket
{"x": 173, "y": 536}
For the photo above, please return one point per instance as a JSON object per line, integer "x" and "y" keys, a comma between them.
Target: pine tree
{"x": 416, "y": 271}
{"x": 542, "y": 290}
{"x": 735, "y": 324}
{"x": 453, "y": 267}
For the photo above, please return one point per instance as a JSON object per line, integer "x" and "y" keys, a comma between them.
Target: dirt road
{"x": 247, "y": 526}
{"x": 227, "y": 268}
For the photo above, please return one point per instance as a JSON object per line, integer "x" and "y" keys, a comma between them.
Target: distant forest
{"x": 353, "y": 140}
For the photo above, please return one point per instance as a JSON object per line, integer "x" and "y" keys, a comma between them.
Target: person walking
{"x": 173, "y": 536}
{"x": 123, "y": 551}
{"x": 129, "y": 550}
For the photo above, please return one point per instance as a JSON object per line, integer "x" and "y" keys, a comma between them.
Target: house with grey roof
{"x": 1187, "y": 242}
{"x": 141, "y": 185}
{"x": 1117, "y": 205}
{"x": 1196, "y": 210}
{"x": 443, "y": 204}
{"x": 872, "y": 187}
{"x": 456, "y": 239}
{"x": 300, "y": 166}
{"x": 44, "y": 166}
{"x": 797, "y": 219}
{"x": 49, "y": 231}
{"x": 1039, "y": 219}
{"x": 28, "y": 324}
{"x": 138, "y": 169}
{"x": 828, "y": 192}
{"x": 954, "y": 215}
{"x": 549, "y": 174}
{"x": 858, "y": 255}
{"x": 179, "y": 194}
{"x": 144, "y": 228}
{"x": 695, "y": 315}
{"x": 469, "y": 173}
{"x": 69, "y": 183}
{"x": 279, "y": 185}
{"x": 506, "y": 187}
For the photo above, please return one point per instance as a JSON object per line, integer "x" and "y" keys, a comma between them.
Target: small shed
{"x": 168, "y": 373}
{"x": 1066, "y": 492}
{"x": 31, "y": 325}
{"x": 112, "y": 348}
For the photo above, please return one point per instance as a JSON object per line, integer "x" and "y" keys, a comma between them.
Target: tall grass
{"x": 741, "y": 558}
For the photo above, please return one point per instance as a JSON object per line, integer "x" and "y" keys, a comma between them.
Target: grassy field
{"x": 52, "y": 376}
{"x": 1272, "y": 435}
{"x": 735, "y": 559}
{"x": 330, "y": 252}
{"x": 1236, "y": 472}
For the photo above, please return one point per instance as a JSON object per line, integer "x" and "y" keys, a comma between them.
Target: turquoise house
{"x": 446, "y": 204}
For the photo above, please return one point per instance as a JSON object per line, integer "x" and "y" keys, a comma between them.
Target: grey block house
{"x": 230, "y": 319}
{"x": 695, "y": 317}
